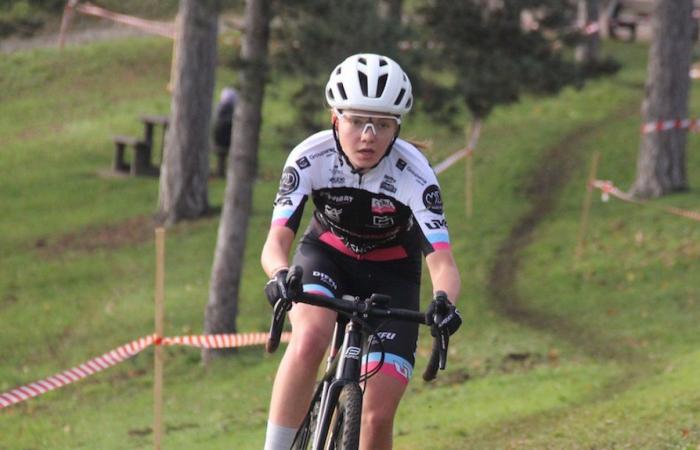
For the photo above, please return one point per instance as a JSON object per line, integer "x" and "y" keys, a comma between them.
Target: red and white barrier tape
{"x": 456, "y": 156}
{"x": 591, "y": 28}
{"x": 124, "y": 352}
{"x": 164, "y": 29}
{"x": 608, "y": 189}
{"x": 665, "y": 125}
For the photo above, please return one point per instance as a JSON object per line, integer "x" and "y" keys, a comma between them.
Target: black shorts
{"x": 330, "y": 273}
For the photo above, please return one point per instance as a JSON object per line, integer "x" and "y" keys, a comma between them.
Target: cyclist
{"x": 378, "y": 209}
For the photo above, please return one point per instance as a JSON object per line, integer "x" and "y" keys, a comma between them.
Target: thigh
{"x": 394, "y": 343}
{"x": 321, "y": 277}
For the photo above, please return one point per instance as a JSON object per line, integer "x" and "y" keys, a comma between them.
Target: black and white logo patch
{"x": 283, "y": 201}
{"x": 303, "y": 163}
{"x": 432, "y": 199}
{"x": 333, "y": 213}
{"x": 401, "y": 164}
{"x": 289, "y": 181}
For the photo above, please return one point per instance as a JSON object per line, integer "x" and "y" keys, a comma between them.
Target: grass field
{"x": 600, "y": 353}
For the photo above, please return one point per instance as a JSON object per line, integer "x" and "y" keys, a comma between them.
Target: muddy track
{"x": 542, "y": 190}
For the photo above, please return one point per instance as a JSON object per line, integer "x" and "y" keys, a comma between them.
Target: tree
{"x": 661, "y": 164}
{"x": 588, "y": 51}
{"x": 316, "y": 35}
{"x": 222, "y": 307}
{"x": 185, "y": 169}
{"x": 492, "y": 56}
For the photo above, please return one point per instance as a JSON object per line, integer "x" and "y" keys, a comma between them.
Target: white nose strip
{"x": 371, "y": 126}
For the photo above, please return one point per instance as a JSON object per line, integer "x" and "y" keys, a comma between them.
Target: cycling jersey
{"x": 391, "y": 212}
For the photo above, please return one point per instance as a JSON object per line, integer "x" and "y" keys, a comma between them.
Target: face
{"x": 365, "y": 136}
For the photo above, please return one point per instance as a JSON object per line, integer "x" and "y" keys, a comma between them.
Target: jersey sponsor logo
{"x": 322, "y": 153}
{"x": 436, "y": 224}
{"x": 432, "y": 199}
{"x": 419, "y": 178}
{"x": 337, "y": 180}
{"x": 339, "y": 199}
{"x": 353, "y": 352}
{"x": 283, "y": 201}
{"x": 401, "y": 164}
{"x": 386, "y": 335}
{"x": 303, "y": 163}
{"x": 289, "y": 181}
{"x": 388, "y": 187}
{"x": 324, "y": 278}
{"x": 383, "y": 206}
{"x": 382, "y": 221}
{"x": 333, "y": 213}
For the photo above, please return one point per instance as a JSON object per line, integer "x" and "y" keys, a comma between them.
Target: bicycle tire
{"x": 347, "y": 419}
{"x": 305, "y": 435}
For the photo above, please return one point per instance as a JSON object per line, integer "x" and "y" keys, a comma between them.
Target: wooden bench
{"x": 141, "y": 161}
{"x": 150, "y": 122}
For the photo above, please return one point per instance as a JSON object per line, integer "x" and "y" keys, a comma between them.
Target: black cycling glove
{"x": 281, "y": 287}
{"x": 450, "y": 320}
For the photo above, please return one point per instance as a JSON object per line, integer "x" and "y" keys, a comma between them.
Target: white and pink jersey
{"x": 392, "y": 211}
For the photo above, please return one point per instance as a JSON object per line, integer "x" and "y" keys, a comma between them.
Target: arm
{"x": 275, "y": 252}
{"x": 444, "y": 273}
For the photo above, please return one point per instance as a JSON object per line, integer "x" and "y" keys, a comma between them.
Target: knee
{"x": 309, "y": 346}
{"x": 376, "y": 420}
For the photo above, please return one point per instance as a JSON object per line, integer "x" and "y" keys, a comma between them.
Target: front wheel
{"x": 305, "y": 434}
{"x": 345, "y": 426}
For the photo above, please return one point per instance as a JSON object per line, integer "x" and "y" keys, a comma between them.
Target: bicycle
{"x": 334, "y": 416}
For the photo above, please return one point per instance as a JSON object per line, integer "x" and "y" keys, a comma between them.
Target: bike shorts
{"x": 330, "y": 273}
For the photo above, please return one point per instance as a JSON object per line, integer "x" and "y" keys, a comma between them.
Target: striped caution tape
{"x": 459, "y": 154}
{"x": 591, "y": 28}
{"x": 125, "y": 352}
{"x": 608, "y": 189}
{"x": 665, "y": 125}
{"x": 164, "y": 29}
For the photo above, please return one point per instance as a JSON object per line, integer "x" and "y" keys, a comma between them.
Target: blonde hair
{"x": 424, "y": 145}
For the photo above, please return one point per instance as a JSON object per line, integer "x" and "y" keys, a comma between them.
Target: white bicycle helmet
{"x": 370, "y": 82}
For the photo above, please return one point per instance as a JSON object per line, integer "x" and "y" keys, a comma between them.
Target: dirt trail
{"x": 542, "y": 191}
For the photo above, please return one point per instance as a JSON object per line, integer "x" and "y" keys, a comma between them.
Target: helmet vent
{"x": 330, "y": 94}
{"x": 381, "y": 84}
{"x": 362, "y": 61}
{"x": 382, "y": 62}
{"x": 341, "y": 89}
{"x": 363, "y": 83}
{"x": 400, "y": 96}
{"x": 337, "y": 72}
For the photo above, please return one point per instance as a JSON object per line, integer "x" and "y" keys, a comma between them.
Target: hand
{"x": 449, "y": 317}
{"x": 281, "y": 287}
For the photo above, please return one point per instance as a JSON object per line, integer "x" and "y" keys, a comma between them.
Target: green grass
{"x": 625, "y": 377}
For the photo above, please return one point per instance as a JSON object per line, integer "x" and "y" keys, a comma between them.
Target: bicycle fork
{"x": 347, "y": 371}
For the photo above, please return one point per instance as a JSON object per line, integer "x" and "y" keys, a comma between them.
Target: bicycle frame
{"x": 345, "y": 360}
{"x": 343, "y": 367}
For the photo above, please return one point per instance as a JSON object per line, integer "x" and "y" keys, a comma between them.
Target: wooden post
{"x": 158, "y": 354}
{"x": 472, "y": 139}
{"x": 68, "y": 12}
{"x": 174, "y": 59}
{"x": 586, "y": 207}
{"x": 469, "y": 179}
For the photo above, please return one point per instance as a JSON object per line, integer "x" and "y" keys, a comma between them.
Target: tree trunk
{"x": 185, "y": 169}
{"x": 392, "y": 9}
{"x": 222, "y": 308}
{"x": 588, "y": 51}
{"x": 661, "y": 165}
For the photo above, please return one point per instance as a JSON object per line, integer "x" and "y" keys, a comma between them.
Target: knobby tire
{"x": 347, "y": 418}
